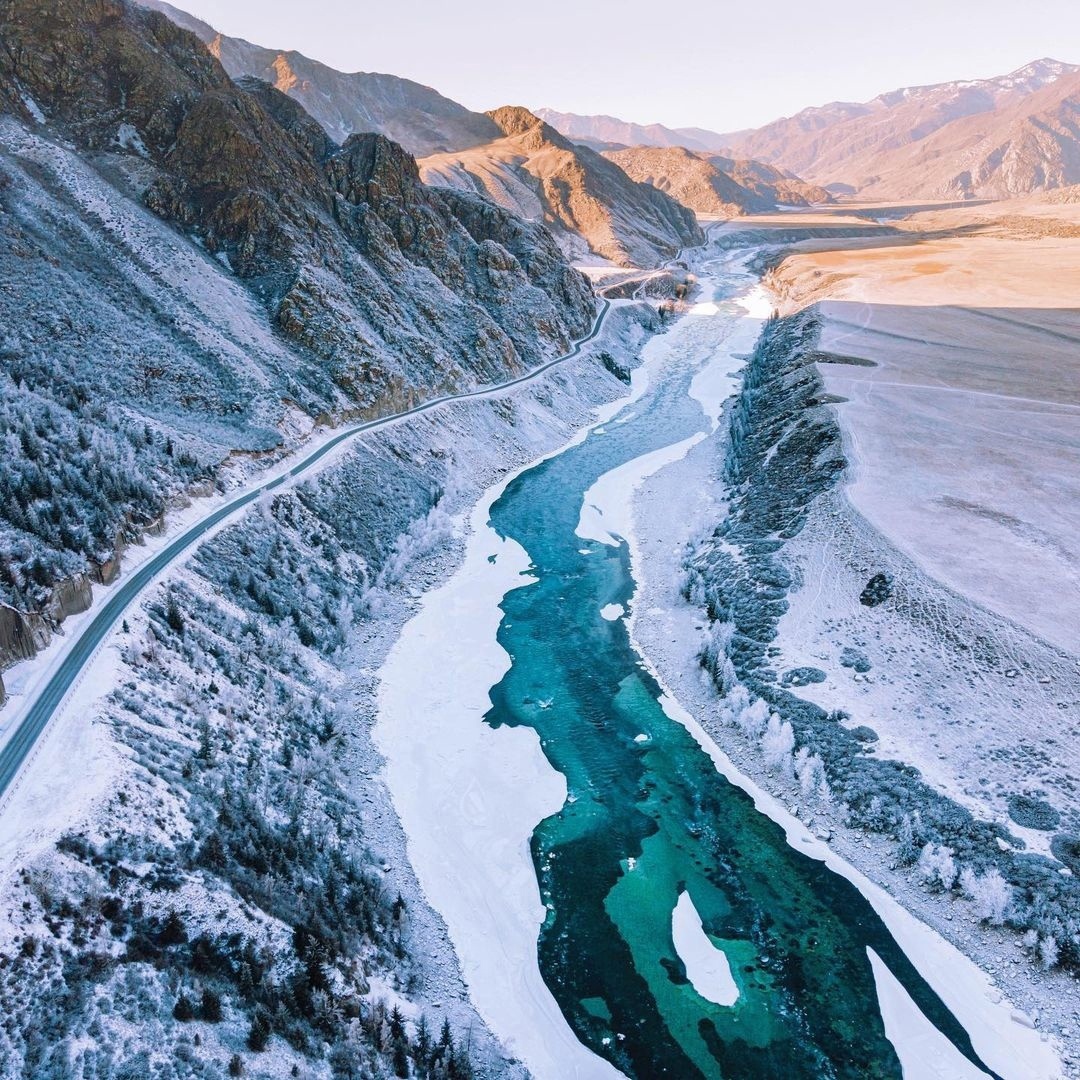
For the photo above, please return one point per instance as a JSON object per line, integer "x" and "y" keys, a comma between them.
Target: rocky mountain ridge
{"x": 191, "y": 268}
{"x": 1008, "y": 135}
{"x": 534, "y": 171}
{"x": 416, "y": 116}
{"x": 611, "y": 133}
{"x": 999, "y": 137}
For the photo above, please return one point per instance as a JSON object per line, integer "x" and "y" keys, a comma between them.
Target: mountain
{"x": 417, "y": 117}
{"x": 711, "y": 184}
{"x": 534, "y": 171}
{"x": 202, "y": 273}
{"x": 975, "y": 138}
{"x": 609, "y": 132}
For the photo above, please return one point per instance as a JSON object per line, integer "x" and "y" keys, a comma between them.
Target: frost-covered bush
{"x": 810, "y": 771}
{"x": 989, "y": 893}
{"x": 778, "y": 745}
{"x": 937, "y": 866}
{"x": 1049, "y": 953}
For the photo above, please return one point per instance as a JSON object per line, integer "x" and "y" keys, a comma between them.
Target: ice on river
{"x": 706, "y": 966}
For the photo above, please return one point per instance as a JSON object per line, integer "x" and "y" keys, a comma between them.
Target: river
{"x": 636, "y": 840}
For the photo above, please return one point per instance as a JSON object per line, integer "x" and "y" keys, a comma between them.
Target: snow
{"x": 925, "y": 1054}
{"x": 469, "y": 797}
{"x": 607, "y": 511}
{"x": 32, "y": 107}
{"x": 707, "y": 967}
{"x": 129, "y": 138}
{"x": 962, "y": 440}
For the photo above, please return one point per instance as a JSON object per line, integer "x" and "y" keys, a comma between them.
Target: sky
{"x": 723, "y": 66}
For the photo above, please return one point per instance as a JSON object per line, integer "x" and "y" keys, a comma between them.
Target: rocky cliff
{"x": 191, "y": 267}
{"x": 534, "y": 171}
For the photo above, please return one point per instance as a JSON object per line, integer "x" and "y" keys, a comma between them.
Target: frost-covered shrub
{"x": 810, "y": 771}
{"x": 778, "y": 745}
{"x": 937, "y": 866}
{"x": 750, "y": 717}
{"x": 1049, "y": 951}
{"x": 1065, "y": 847}
{"x": 989, "y": 893}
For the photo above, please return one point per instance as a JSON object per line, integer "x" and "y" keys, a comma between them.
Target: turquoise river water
{"x": 647, "y": 819}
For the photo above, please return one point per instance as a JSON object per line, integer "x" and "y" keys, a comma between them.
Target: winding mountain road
{"x": 44, "y": 701}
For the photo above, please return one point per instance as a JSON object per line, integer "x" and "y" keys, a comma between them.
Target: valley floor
{"x": 469, "y": 826}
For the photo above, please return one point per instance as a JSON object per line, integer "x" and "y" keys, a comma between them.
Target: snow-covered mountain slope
{"x": 921, "y": 141}
{"x": 710, "y": 184}
{"x": 416, "y": 116}
{"x": 536, "y": 172}
{"x": 197, "y": 274}
{"x": 201, "y": 870}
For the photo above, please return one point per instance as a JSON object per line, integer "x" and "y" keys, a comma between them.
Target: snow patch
{"x": 130, "y": 139}
{"x": 924, "y": 1053}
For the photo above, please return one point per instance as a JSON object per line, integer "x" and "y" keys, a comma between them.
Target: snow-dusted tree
{"x": 937, "y": 866}
{"x": 694, "y": 587}
{"x": 1048, "y": 951}
{"x": 714, "y": 656}
{"x": 810, "y": 770}
{"x": 778, "y": 745}
{"x": 752, "y": 718}
{"x": 990, "y": 894}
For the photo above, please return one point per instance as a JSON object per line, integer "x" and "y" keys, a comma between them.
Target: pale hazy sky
{"x": 722, "y": 66}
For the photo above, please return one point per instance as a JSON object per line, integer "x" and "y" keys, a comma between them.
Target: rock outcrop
{"x": 538, "y": 173}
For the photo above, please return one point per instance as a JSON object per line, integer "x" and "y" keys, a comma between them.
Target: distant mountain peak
{"x": 515, "y": 119}
{"x": 1004, "y": 135}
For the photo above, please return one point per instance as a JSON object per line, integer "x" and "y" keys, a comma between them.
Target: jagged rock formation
{"x": 536, "y": 172}
{"x": 980, "y": 138}
{"x": 609, "y": 132}
{"x": 416, "y": 116}
{"x": 202, "y": 271}
{"x": 710, "y": 184}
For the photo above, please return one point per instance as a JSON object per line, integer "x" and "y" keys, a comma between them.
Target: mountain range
{"x": 415, "y": 116}
{"x": 611, "y": 133}
{"x": 976, "y": 138}
{"x": 713, "y": 184}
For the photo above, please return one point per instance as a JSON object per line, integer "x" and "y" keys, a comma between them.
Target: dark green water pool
{"x": 647, "y": 819}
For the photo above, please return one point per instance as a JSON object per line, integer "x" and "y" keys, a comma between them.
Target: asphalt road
{"x": 40, "y": 710}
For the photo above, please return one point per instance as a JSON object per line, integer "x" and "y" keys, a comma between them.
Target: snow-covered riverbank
{"x": 469, "y": 796}
{"x": 673, "y": 507}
